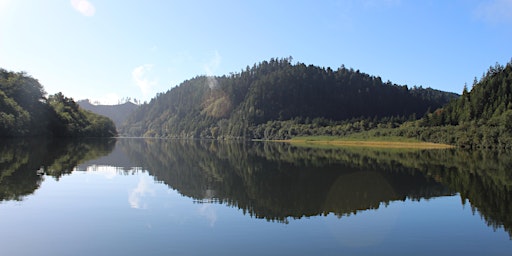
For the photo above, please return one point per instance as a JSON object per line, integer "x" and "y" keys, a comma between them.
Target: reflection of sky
{"x": 369, "y": 228}
{"x": 108, "y": 172}
{"x": 208, "y": 211}
{"x": 138, "y": 194}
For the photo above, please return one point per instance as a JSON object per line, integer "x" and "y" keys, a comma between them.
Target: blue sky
{"x": 105, "y": 50}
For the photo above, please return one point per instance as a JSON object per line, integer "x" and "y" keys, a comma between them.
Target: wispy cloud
{"x": 140, "y": 77}
{"x": 84, "y": 7}
{"x": 495, "y": 11}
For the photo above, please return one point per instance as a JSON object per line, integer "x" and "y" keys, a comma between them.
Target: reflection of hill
{"x": 116, "y": 158}
{"x": 484, "y": 178}
{"x": 276, "y": 189}
{"x": 20, "y": 161}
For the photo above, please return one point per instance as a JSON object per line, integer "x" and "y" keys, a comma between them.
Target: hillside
{"x": 25, "y": 111}
{"x": 117, "y": 113}
{"x": 251, "y": 103}
{"x": 481, "y": 117}
{"x": 489, "y": 101}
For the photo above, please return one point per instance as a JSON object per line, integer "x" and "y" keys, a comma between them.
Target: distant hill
{"x": 118, "y": 113}
{"x": 250, "y": 104}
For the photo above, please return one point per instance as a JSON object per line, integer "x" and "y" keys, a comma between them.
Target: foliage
{"x": 71, "y": 121}
{"x": 258, "y": 101}
{"x": 480, "y": 118}
{"x": 24, "y": 111}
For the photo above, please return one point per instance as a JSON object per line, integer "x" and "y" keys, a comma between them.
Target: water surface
{"x": 166, "y": 197}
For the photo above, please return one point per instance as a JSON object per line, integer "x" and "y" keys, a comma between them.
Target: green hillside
{"x": 25, "y": 111}
{"x": 272, "y": 93}
{"x": 479, "y": 118}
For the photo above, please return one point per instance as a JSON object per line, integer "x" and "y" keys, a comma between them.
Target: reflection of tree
{"x": 18, "y": 165}
{"x": 276, "y": 182}
{"x": 484, "y": 178}
{"x": 21, "y": 160}
{"x": 65, "y": 155}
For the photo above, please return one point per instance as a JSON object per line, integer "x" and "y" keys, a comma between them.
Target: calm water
{"x": 158, "y": 197}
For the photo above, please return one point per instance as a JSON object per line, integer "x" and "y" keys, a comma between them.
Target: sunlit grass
{"x": 365, "y": 141}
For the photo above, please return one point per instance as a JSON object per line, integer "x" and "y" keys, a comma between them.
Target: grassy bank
{"x": 362, "y": 141}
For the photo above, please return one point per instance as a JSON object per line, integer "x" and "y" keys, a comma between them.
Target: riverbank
{"x": 375, "y": 142}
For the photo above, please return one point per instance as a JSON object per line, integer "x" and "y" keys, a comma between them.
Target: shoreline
{"x": 369, "y": 143}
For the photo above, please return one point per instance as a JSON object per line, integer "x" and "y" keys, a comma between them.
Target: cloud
{"x": 137, "y": 193}
{"x": 139, "y": 75}
{"x": 495, "y": 11}
{"x": 84, "y": 7}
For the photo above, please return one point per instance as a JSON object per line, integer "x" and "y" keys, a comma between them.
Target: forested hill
{"x": 481, "y": 117}
{"x": 25, "y": 111}
{"x": 246, "y": 104}
{"x": 489, "y": 101}
{"x": 118, "y": 113}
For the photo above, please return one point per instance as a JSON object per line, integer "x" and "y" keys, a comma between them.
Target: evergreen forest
{"x": 479, "y": 118}
{"x": 26, "y": 111}
{"x": 279, "y": 100}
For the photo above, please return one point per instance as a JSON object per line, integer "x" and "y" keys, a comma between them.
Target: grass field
{"x": 358, "y": 141}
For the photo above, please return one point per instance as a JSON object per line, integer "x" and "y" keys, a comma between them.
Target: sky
{"x": 107, "y": 50}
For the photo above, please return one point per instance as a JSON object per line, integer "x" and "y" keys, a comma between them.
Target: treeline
{"x": 484, "y": 113}
{"x": 480, "y": 118}
{"x": 25, "y": 111}
{"x": 243, "y": 105}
